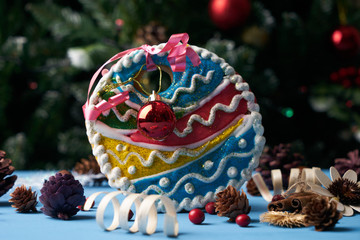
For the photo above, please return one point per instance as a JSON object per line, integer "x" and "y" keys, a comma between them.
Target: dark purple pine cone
{"x": 280, "y": 157}
{"x": 61, "y": 195}
{"x": 344, "y": 164}
{"x": 6, "y": 169}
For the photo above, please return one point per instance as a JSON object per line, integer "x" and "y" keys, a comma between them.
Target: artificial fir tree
{"x": 308, "y": 92}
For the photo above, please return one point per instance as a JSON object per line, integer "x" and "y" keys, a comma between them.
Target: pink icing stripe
{"x": 200, "y": 132}
{"x": 176, "y": 58}
{"x": 102, "y": 106}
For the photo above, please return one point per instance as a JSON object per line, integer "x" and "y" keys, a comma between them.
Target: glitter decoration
{"x": 145, "y": 157}
{"x": 214, "y": 110}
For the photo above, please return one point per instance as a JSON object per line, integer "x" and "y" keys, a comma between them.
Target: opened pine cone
{"x": 24, "y": 199}
{"x": 252, "y": 188}
{"x": 153, "y": 33}
{"x": 91, "y": 168}
{"x": 6, "y": 169}
{"x": 321, "y": 213}
{"x": 279, "y": 157}
{"x": 86, "y": 166}
{"x": 230, "y": 203}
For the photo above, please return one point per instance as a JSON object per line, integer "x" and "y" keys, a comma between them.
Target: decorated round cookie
{"x": 217, "y": 137}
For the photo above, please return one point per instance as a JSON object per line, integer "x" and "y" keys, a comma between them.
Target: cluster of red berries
{"x": 197, "y": 216}
{"x": 347, "y": 77}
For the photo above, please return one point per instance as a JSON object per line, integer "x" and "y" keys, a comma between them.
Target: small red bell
{"x": 156, "y": 119}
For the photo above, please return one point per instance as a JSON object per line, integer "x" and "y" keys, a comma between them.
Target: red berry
{"x": 349, "y": 103}
{"x": 196, "y": 216}
{"x": 210, "y": 208}
{"x": 131, "y": 214}
{"x": 277, "y": 198}
{"x": 243, "y": 220}
{"x": 342, "y": 73}
{"x": 351, "y": 71}
{"x": 334, "y": 77}
{"x": 346, "y": 83}
{"x": 357, "y": 81}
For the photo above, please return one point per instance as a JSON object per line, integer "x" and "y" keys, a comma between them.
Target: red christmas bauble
{"x": 346, "y": 40}
{"x": 210, "y": 208}
{"x": 227, "y": 14}
{"x": 243, "y": 220}
{"x": 196, "y": 216}
{"x": 156, "y": 120}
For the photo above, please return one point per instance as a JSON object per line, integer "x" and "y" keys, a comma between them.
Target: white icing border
{"x": 114, "y": 174}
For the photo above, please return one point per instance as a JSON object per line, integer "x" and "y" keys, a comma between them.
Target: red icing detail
{"x": 200, "y": 132}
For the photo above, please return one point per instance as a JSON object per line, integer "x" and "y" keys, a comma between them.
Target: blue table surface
{"x": 15, "y": 225}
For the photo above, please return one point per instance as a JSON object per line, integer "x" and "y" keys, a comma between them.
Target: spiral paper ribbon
{"x": 307, "y": 176}
{"x": 146, "y": 213}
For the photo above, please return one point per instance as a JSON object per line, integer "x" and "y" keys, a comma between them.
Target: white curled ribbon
{"x": 307, "y": 176}
{"x": 146, "y": 213}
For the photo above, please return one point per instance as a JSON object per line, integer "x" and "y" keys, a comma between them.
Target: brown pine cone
{"x": 91, "y": 168}
{"x": 6, "y": 183}
{"x": 152, "y": 34}
{"x": 252, "y": 188}
{"x": 24, "y": 199}
{"x": 321, "y": 213}
{"x": 280, "y": 157}
{"x": 230, "y": 203}
{"x": 86, "y": 166}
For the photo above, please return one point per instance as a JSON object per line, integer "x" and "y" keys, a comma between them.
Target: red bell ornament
{"x": 156, "y": 119}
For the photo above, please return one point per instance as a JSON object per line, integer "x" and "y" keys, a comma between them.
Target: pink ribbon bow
{"x": 177, "y": 54}
{"x": 176, "y": 58}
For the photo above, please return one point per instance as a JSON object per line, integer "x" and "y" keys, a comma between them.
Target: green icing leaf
{"x": 107, "y": 95}
{"x": 112, "y": 121}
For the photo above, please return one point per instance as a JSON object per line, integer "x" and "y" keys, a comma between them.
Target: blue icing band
{"x": 201, "y": 188}
{"x": 180, "y": 79}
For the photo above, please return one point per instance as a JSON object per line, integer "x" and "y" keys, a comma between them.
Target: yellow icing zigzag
{"x": 136, "y": 162}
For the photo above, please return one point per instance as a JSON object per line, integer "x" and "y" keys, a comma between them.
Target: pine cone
{"x": 321, "y": 213}
{"x": 61, "y": 195}
{"x": 152, "y": 34}
{"x": 86, "y": 166}
{"x": 229, "y": 203}
{"x": 90, "y": 167}
{"x": 24, "y": 200}
{"x": 344, "y": 164}
{"x": 6, "y": 183}
{"x": 280, "y": 157}
{"x": 252, "y": 188}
